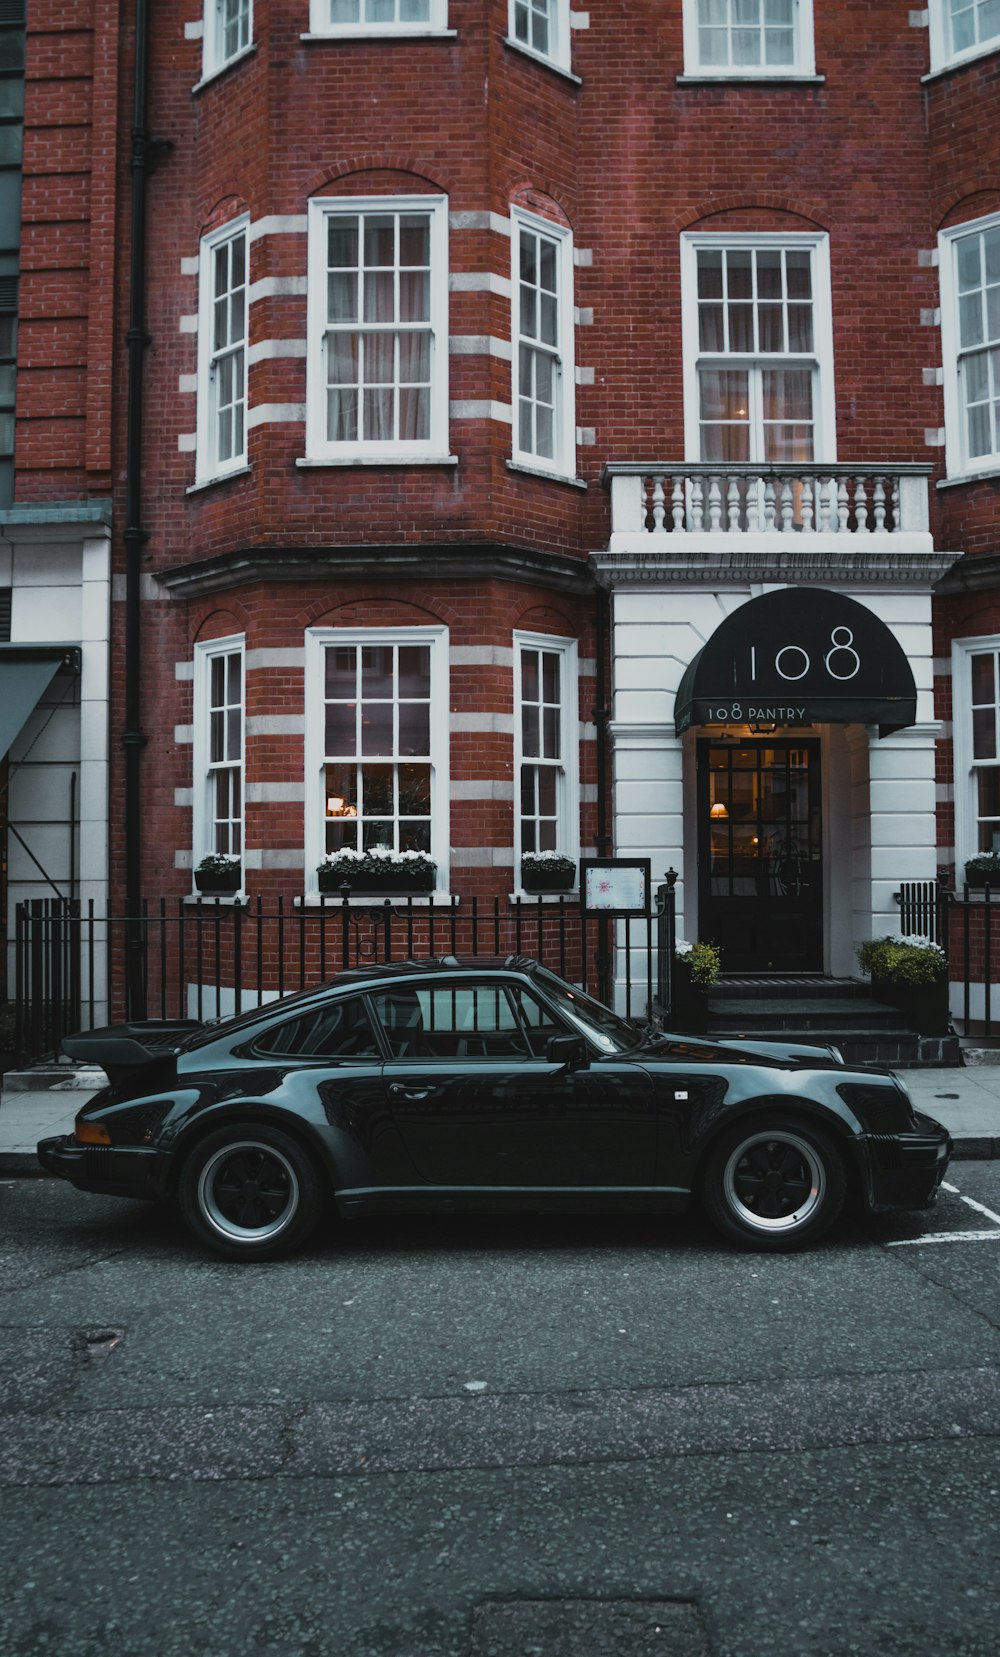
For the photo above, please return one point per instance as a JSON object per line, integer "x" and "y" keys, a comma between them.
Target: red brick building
{"x": 500, "y": 355}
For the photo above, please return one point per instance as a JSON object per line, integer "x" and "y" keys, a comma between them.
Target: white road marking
{"x": 955, "y": 1236}
{"x": 971, "y": 1202}
{"x": 946, "y": 1237}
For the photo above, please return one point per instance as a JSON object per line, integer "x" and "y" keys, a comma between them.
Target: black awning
{"x": 799, "y": 656}
{"x": 26, "y": 671}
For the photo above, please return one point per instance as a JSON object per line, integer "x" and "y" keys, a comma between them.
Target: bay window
{"x": 962, "y": 29}
{"x": 228, "y": 32}
{"x": 976, "y": 708}
{"x": 218, "y": 750}
{"x": 546, "y": 739}
{"x": 222, "y": 352}
{"x": 335, "y": 17}
{"x": 378, "y": 349}
{"x": 970, "y": 339}
{"x": 377, "y": 742}
{"x": 542, "y": 26}
{"x": 542, "y": 327}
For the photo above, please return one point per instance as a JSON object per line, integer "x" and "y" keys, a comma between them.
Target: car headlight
{"x": 885, "y": 1109}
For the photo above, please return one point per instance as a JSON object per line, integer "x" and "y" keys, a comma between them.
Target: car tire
{"x": 774, "y": 1183}
{"x": 250, "y": 1192}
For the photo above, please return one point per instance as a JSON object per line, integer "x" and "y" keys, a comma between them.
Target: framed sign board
{"x": 614, "y": 885}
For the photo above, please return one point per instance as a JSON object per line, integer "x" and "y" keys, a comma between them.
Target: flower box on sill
{"x": 377, "y": 873}
{"x": 547, "y": 872}
{"x": 218, "y": 876}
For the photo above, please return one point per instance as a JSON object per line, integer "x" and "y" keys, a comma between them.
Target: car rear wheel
{"x": 250, "y": 1193}
{"x": 774, "y": 1184}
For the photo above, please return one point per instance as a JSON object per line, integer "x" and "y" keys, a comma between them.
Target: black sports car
{"x": 488, "y": 1085}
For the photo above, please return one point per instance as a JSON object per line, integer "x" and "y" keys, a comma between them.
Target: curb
{"x": 968, "y": 1148}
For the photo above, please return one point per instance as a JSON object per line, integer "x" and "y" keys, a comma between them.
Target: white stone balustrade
{"x": 678, "y": 499}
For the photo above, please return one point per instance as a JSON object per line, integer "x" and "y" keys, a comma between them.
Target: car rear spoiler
{"x": 120, "y": 1049}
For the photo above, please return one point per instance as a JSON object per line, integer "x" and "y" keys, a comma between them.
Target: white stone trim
{"x": 482, "y": 857}
{"x": 270, "y": 350}
{"x": 484, "y": 410}
{"x": 478, "y": 281}
{"x": 479, "y": 345}
{"x": 275, "y": 414}
{"x": 183, "y": 734}
{"x": 482, "y": 655}
{"x": 263, "y": 657}
{"x": 480, "y": 221}
{"x": 483, "y": 724}
{"x": 276, "y": 287}
{"x": 279, "y": 224}
{"x": 482, "y": 789}
{"x": 274, "y": 793}
{"x": 275, "y": 724}
{"x": 183, "y": 670}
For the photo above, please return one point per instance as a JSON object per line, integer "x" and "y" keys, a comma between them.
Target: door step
{"x": 766, "y": 1007}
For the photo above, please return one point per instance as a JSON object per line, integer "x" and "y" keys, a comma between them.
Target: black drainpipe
{"x": 144, "y": 150}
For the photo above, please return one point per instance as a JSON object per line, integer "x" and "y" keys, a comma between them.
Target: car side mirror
{"x": 570, "y": 1051}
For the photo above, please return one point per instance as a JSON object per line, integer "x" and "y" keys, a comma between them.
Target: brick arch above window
{"x": 541, "y": 203}
{"x": 544, "y": 618}
{"x": 386, "y": 175}
{"x": 374, "y": 609}
{"x": 765, "y": 212}
{"x": 218, "y": 624}
{"x": 217, "y": 215}
{"x": 971, "y": 201}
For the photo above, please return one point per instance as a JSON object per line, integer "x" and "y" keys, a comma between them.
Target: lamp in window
{"x": 718, "y": 812}
{"x": 337, "y": 806}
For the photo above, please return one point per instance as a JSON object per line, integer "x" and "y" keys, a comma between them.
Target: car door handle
{"x": 398, "y": 1091}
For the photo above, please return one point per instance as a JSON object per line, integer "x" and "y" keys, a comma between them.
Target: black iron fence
{"x": 77, "y": 968}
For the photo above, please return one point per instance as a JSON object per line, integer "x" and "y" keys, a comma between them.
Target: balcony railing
{"x": 684, "y": 498}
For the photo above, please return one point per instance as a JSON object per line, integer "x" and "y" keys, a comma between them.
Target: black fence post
{"x": 666, "y": 943}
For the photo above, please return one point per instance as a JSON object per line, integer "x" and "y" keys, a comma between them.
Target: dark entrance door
{"x": 760, "y": 855}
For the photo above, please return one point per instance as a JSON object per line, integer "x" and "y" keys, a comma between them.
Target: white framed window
{"x": 546, "y": 746}
{"x": 228, "y": 32}
{"x": 544, "y": 376}
{"x": 970, "y": 345}
{"x": 541, "y": 27}
{"x": 961, "y": 29}
{"x": 737, "y": 38}
{"x": 377, "y": 17}
{"x": 219, "y": 758}
{"x": 377, "y": 742}
{"x": 377, "y": 367}
{"x": 976, "y": 727}
{"x": 758, "y": 348}
{"x": 222, "y": 351}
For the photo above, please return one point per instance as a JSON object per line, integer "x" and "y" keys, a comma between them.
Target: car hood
{"x": 815, "y": 1055}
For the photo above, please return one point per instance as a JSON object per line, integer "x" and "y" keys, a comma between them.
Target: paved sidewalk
{"x": 967, "y": 1101}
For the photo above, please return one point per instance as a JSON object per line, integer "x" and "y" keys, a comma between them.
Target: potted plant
{"x": 377, "y": 870}
{"x": 696, "y": 970}
{"x": 911, "y": 973}
{"x": 218, "y": 875}
{"x": 983, "y": 870}
{"x": 547, "y": 872}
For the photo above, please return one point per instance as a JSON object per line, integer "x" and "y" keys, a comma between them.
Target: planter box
{"x": 213, "y": 884}
{"x": 924, "y": 1006}
{"x": 976, "y": 882}
{"x": 689, "y": 1012}
{"x": 546, "y": 880}
{"x": 385, "y": 882}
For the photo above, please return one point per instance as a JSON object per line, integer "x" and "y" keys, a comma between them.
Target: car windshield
{"x": 595, "y": 1021}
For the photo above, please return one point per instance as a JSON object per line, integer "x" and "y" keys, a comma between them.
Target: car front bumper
{"x": 907, "y": 1168}
{"x": 110, "y": 1170}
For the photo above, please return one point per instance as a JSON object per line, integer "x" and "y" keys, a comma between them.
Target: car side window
{"x": 339, "y": 1030}
{"x": 539, "y": 1022}
{"x": 467, "y": 1021}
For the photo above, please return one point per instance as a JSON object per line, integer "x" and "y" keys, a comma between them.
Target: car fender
{"x": 832, "y": 1114}
{"x": 314, "y": 1136}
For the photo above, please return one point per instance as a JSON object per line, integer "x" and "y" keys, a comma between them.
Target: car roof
{"x": 441, "y": 963}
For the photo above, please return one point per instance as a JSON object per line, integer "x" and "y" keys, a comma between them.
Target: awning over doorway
{"x": 26, "y": 671}
{"x": 799, "y": 656}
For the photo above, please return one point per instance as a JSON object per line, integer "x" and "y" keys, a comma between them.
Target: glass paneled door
{"x": 760, "y": 854}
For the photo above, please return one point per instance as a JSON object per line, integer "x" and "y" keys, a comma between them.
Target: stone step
{"x": 790, "y": 987}
{"x": 815, "y": 1013}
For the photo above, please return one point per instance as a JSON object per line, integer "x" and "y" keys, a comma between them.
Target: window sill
{"x": 992, "y": 475}
{"x": 549, "y": 477}
{"x": 725, "y": 77}
{"x": 380, "y": 460}
{"x": 222, "y": 900}
{"x": 539, "y": 57}
{"x": 332, "y": 902}
{"x": 955, "y": 64}
{"x": 219, "y": 477}
{"x": 230, "y": 63}
{"x": 546, "y": 897}
{"x": 418, "y": 32}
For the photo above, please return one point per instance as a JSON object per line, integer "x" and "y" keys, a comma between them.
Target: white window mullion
{"x": 736, "y": 39}
{"x": 543, "y": 372}
{"x": 219, "y": 756}
{"x": 221, "y": 443}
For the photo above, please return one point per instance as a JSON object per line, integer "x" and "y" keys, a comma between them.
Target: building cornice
{"x": 977, "y": 574}
{"x": 737, "y": 567}
{"x": 458, "y": 561}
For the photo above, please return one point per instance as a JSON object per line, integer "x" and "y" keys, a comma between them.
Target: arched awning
{"x": 799, "y": 656}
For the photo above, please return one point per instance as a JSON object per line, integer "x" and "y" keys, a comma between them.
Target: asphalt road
{"x": 585, "y": 1438}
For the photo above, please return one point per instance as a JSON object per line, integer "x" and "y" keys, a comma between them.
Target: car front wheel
{"x": 250, "y": 1193}
{"x": 774, "y": 1184}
